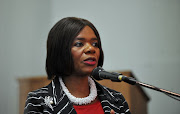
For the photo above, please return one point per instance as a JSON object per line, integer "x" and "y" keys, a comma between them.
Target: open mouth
{"x": 90, "y": 61}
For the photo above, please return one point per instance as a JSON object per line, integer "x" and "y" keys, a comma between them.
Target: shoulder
{"x": 111, "y": 91}
{"x": 35, "y": 100}
{"x": 121, "y": 100}
{"x": 118, "y": 97}
{"x": 39, "y": 92}
{"x": 115, "y": 93}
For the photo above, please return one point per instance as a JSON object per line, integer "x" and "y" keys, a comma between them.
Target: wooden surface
{"x": 135, "y": 96}
{"x": 29, "y": 84}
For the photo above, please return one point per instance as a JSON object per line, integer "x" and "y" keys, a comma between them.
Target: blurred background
{"x": 142, "y": 36}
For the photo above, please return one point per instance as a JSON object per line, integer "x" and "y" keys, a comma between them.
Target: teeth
{"x": 90, "y": 60}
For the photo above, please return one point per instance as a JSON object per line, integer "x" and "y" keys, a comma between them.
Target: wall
{"x": 23, "y": 33}
{"x": 137, "y": 35}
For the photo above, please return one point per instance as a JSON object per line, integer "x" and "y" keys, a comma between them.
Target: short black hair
{"x": 59, "y": 60}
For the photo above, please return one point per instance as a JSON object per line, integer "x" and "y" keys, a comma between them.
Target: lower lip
{"x": 90, "y": 62}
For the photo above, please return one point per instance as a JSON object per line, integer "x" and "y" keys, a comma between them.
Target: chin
{"x": 89, "y": 70}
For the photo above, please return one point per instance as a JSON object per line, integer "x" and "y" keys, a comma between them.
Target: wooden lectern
{"x": 135, "y": 96}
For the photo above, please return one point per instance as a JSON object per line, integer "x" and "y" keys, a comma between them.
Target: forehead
{"x": 86, "y": 32}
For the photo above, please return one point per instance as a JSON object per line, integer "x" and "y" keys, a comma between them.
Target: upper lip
{"x": 90, "y": 58}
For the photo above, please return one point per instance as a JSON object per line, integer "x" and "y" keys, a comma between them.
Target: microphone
{"x": 99, "y": 74}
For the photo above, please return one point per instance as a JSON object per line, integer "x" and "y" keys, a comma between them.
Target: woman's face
{"x": 85, "y": 52}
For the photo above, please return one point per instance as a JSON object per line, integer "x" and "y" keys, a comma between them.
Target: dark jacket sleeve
{"x": 34, "y": 104}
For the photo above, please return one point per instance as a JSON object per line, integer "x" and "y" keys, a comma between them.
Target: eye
{"x": 78, "y": 44}
{"x": 95, "y": 44}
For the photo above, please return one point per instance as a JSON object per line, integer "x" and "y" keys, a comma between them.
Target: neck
{"x": 77, "y": 86}
{"x": 80, "y": 97}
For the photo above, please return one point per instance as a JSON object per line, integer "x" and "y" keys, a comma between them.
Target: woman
{"x": 73, "y": 51}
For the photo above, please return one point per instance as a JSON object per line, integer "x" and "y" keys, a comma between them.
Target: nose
{"x": 89, "y": 49}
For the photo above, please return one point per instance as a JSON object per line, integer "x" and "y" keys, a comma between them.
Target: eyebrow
{"x": 84, "y": 39}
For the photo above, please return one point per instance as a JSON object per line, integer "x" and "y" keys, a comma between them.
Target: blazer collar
{"x": 61, "y": 102}
{"x": 63, "y": 105}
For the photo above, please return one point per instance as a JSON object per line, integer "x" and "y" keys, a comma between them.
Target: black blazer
{"x": 51, "y": 99}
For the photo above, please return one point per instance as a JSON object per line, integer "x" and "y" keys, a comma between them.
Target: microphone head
{"x": 95, "y": 73}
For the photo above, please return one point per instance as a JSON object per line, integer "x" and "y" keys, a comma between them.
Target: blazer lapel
{"x": 61, "y": 103}
{"x": 108, "y": 101}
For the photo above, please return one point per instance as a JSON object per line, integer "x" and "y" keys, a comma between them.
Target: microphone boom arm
{"x": 132, "y": 81}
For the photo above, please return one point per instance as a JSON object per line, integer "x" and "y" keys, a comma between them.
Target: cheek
{"x": 75, "y": 55}
{"x": 98, "y": 53}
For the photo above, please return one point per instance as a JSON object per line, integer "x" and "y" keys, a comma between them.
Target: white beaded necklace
{"x": 81, "y": 101}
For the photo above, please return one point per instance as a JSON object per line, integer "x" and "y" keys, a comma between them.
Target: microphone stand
{"x": 132, "y": 81}
{"x": 158, "y": 89}
{"x": 99, "y": 74}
